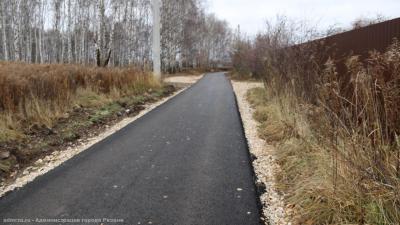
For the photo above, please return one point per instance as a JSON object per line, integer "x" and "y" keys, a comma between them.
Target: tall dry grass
{"x": 336, "y": 134}
{"x": 364, "y": 126}
{"x": 31, "y": 93}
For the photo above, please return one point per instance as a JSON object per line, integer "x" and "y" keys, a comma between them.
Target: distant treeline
{"x": 73, "y": 31}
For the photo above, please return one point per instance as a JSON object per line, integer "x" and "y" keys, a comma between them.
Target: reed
{"x": 39, "y": 94}
{"x": 335, "y": 126}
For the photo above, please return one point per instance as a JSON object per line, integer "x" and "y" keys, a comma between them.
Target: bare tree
{"x": 16, "y": 26}
{"x": 4, "y": 29}
{"x": 116, "y": 31}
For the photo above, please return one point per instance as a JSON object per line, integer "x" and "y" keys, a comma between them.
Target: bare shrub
{"x": 365, "y": 118}
{"x": 335, "y": 127}
{"x": 366, "y": 21}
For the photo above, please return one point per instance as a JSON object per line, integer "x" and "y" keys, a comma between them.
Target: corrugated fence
{"x": 362, "y": 40}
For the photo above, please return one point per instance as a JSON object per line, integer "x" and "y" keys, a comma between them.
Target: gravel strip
{"x": 264, "y": 165}
{"x": 50, "y": 162}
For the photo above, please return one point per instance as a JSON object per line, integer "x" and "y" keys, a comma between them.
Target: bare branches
{"x": 116, "y": 32}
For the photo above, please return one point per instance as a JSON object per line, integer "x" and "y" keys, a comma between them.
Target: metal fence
{"x": 363, "y": 40}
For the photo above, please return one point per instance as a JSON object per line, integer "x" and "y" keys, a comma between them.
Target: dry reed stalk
{"x": 344, "y": 167}
{"x": 31, "y": 93}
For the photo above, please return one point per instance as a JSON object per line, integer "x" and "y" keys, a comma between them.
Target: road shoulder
{"x": 264, "y": 163}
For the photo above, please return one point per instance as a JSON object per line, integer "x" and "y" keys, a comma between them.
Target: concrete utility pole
{"x": 156, "y": 47}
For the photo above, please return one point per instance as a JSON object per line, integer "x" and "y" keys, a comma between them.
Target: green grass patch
{"x": 104, "y": 112}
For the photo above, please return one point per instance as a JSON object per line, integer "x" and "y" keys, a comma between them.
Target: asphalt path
{"x": 185, "y": 162}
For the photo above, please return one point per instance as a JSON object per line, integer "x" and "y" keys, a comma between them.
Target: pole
{"x": 156, "y": 46}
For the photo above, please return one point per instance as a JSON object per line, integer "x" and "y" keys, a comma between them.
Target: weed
{"x": 41, "y": 94}
{"x": 339, "y": 158}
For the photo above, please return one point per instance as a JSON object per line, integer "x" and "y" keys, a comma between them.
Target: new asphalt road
{"x": 186, "y": 162}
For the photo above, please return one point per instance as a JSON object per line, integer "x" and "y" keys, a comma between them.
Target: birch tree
{"x": 16, "y": 26}
{"x": 96, "y": 32}
{"x": 4, "y": 29}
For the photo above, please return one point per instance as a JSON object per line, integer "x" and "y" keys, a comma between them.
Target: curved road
{"x": 186, "y": 162}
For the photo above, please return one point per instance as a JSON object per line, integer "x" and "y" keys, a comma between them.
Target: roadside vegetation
{"x": 51, "y": 94}
{"x": 334, "y": 125}
{"x": 47, "y": 107}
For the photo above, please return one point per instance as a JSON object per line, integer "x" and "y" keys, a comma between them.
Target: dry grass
{"x": 39, "y": 94}
{"x": 336, "y": 134}
{"x": 319, "y": 188}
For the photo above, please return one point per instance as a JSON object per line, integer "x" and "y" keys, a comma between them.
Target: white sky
{"x": 252, "y": 14}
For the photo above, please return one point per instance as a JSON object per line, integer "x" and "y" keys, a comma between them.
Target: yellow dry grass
{"x": 39, "y": 94}
{"x": 339, "y": 157}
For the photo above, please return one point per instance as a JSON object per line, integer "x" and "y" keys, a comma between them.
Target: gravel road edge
{"x": 264, "y": 163}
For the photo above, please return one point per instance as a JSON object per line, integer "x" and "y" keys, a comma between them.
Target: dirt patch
{"x": 265, "y": 166}
{"x": 182, "y": 81}
{"x": 45, "y": 148}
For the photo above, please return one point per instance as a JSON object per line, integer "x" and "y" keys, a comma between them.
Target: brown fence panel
{"x": 363, "y": 40}
{"x": 359, "y": 42}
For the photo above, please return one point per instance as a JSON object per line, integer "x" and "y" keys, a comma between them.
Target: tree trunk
{"x": 16, "y": 26}
{"x": 69, "y": 33}
{"x": 4, "y": 30}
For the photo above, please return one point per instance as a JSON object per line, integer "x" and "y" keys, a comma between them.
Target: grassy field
{"x": 47, "y": 107}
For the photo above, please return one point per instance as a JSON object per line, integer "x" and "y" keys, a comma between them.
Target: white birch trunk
{"x": 4, "y": 31}
{"x": 16, "y": 27}
{"x": 69, "y": 33}
{"x": 41, "y": 26}
{"x": 111, "y": 44}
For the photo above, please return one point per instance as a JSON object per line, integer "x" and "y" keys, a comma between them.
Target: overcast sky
{"x": 252, "y": 14}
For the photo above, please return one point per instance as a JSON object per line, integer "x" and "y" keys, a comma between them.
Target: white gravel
{"x": 50, "y": 162}
{"x": 264, "y": 166}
